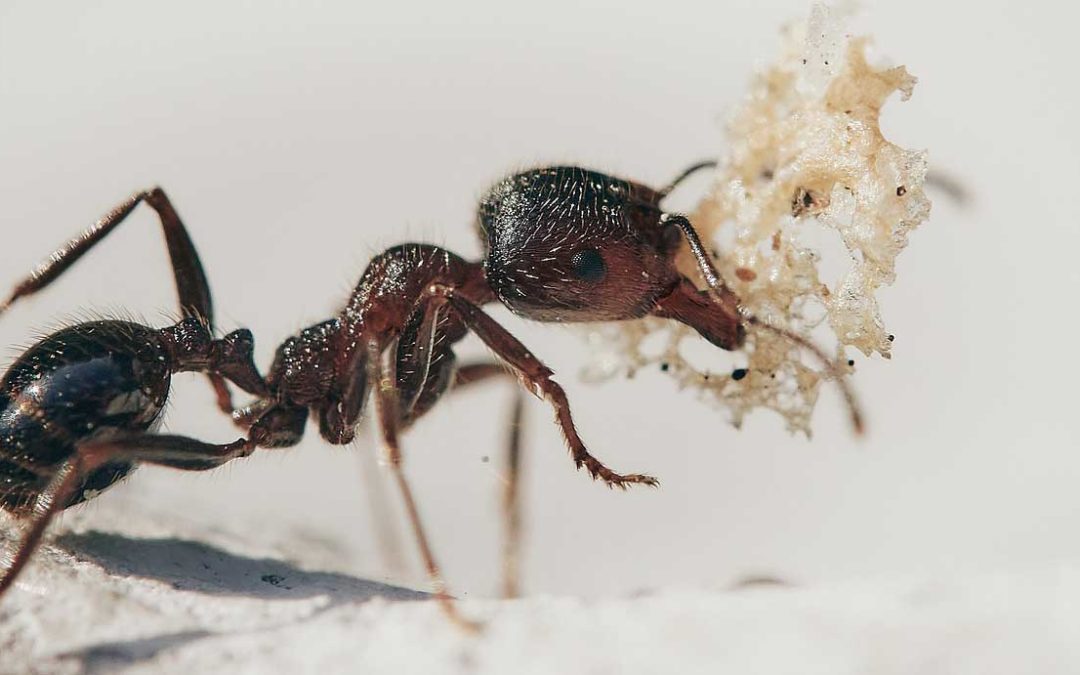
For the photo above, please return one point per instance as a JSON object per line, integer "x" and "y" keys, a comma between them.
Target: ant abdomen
{"x": 84, "y": 381}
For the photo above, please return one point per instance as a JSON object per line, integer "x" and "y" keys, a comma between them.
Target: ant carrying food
{"x": 561, "y": 244}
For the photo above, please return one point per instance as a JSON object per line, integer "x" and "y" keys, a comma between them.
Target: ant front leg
{"x": 192, "y": 287}
{"x": 537, "y": 378}
{"x": 178, "y": 452}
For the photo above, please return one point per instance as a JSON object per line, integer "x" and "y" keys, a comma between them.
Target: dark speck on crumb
{"x": 851, "y": 362}
{"x": 738, "y": 374}
{"x": 664, "y": 366}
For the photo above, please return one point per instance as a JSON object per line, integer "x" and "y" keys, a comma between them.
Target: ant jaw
{"x": 734, "y": 314}
{"x": 717, "y": 318}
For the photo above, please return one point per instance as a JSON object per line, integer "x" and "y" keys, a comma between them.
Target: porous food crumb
{"x": 806, "y": 173}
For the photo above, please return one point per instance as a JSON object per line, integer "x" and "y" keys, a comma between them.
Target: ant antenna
{"x": 708, "y": 164}
{"x": 717, "y": 285}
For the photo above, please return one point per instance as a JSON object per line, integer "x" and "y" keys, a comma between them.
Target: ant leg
{"x": 691, "y": 170}
{"x": 511, "y": 497}
{"x": 537, "y": 378}
{"x": 388, "y": 538}
{"x": 178, "y": 452}
{"x": 381, "y": 376}
{"x": 191, "y": 286}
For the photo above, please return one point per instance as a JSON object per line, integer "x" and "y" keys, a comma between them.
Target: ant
{"x": 78, "y": 410}
{"x": 561, "y": 244}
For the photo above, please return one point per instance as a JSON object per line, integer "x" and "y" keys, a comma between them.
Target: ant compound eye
{"x": 588, "y": 265}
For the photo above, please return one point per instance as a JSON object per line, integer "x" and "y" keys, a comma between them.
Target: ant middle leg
{"x": 387, "y": 410}
{"x": 192, "y": 288}
{"x": 180, "y": 452}
{"x": 424, "y": 373}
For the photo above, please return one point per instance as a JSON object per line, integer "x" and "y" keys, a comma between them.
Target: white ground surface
{"x": 150, "y": 598}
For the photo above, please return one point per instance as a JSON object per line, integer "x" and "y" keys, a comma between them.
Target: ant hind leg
{"x": 192, "y": 288}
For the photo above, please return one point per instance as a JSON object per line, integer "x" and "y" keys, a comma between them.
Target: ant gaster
{"x": 79, "y": 409}
{"x": 560, "y": 244}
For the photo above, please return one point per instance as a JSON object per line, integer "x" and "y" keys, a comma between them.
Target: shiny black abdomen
{"x": 81, "y": 383}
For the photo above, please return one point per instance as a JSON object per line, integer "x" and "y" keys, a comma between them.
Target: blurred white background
{"x": 299, "y": 139}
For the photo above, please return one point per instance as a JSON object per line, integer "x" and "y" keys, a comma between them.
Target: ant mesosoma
{"x": 561, "y": 244}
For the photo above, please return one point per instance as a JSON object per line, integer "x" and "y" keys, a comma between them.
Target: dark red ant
{"x": 561, "y": 244}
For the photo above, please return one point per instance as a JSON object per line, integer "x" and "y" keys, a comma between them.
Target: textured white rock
{"x": 156, "y": 599}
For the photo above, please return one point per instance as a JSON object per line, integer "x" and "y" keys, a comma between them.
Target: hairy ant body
{"x": 79, "y": 409}
{"x": 560, "y": 244}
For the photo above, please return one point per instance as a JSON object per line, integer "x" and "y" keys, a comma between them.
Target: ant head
{"x": 568, "y": 244}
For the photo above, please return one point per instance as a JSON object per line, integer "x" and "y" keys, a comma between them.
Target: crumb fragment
{"x": 807, "y": 201}
{"x": 804, "y": 151}
{"x": 745, "y": 274}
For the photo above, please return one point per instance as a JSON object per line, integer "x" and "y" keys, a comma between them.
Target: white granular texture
{"x": 806, "y": 161}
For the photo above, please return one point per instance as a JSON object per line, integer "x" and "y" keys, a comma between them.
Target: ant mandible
{"x": 561, "y": 244}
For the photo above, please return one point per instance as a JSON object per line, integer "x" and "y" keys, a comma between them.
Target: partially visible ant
{"x": 561, "y": 244}
{"x": 79, "y": 409}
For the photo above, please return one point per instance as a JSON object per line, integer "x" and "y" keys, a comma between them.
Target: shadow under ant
{"x": 188, "y": 565}
{"x": 195, "y": 566}
{"x": 110, "y": 656}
